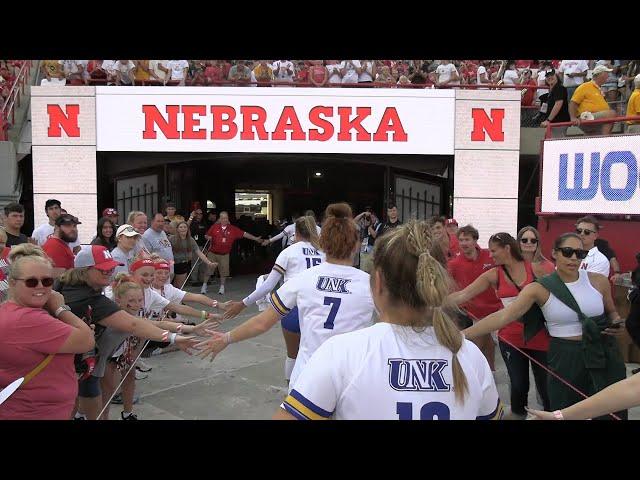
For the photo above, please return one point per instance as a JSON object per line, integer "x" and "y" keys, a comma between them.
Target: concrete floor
{"x": 245, "y": 382}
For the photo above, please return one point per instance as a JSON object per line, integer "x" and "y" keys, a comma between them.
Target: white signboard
{"x": 591, "y": 175}
{"x": 285, "y": 120}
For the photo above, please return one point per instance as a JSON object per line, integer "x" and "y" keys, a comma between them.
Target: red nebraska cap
{"x": 451, "y": 221}
{"x": 96, "y": 256}
{"x": 108, "y": 212}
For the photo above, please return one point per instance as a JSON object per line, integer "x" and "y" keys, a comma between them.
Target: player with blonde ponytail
{"x": 413, "y": 364}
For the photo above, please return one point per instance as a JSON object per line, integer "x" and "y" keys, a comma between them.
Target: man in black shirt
{"x": 556, "y": 108}
{"x": 607, "y": 251}
{"x": 13, "y": 223}
{"x": 392, "y": 221}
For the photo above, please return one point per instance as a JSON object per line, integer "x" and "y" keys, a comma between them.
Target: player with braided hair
{"x": 413, "y": 364}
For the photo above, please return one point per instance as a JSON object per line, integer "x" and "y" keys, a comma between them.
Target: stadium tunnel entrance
{"x": 259, "y": 190}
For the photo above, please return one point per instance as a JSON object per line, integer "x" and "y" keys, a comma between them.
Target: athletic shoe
{"x": 143, "y": 367}
{"x": 117, "y": 400}
{"x": 141, "y": 375}
{"x": 221, "y": 291}
{"x": 203, "y": 289}
{"x": 635, "y": 370}
{"x": 131, "y": 416}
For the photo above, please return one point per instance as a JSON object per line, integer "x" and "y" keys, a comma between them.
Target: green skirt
{"x": 570, "y": 359}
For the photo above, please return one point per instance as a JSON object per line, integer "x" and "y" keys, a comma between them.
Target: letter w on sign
{"x": 63, "y": 120}
{"x": 485, "y": 124}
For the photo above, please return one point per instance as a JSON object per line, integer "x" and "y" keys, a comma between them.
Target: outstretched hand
{"x": 213, "y": 346}
{"x": 232, "y": 309}
{"x": 213, "y": 321}
{"x": 186, "y": 344}
{"x": 540, "y": 414}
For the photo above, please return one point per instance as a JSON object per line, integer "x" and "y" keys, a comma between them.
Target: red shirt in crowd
{"x": 464, "y": 271}
{"x": 454, "y": 247}
{"x": 222, "y": 238}
{"x": 514, "y": 332}
{"x": 27, "y": 336}
{"x": 5, "y": 253}
{"x": 527, "y": 97}
{"x": 59, "y": 252}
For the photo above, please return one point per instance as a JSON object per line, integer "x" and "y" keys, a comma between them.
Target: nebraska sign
{"x": 287, "y": 120}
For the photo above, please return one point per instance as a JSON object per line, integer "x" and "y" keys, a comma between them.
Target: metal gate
{"x": 137, "y": 193}
{"x": 417, "y": 198}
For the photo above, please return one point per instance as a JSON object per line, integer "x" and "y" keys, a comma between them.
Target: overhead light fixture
{"x": 317, "y": 174}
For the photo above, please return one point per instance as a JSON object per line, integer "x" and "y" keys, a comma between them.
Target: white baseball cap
{"x": 600, "y": 69}
{"x": 126, "y": 230}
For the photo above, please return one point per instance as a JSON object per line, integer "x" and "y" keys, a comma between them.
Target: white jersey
{"x": 331, "y": 299}
{"x": 154, "y": 304}
{"x": 289, "y": 233}
{"x": 297, "y": 258}
{"x": 390, "y": 372}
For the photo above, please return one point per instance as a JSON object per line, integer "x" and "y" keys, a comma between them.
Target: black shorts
{"x": 181, "y": 268}
{"x": 89, "y": 388}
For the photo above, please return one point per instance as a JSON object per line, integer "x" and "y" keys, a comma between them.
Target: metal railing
{"x": 587, "y": 123}
{"x": 7, "y": 112}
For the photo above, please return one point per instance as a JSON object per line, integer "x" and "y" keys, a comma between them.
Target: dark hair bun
{"x": 338, "y": 210}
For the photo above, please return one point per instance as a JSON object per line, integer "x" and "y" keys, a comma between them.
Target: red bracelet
{"x": 558, "y": 415}
{"x": 179, "y": 328}
{"x": 165, "y": 336}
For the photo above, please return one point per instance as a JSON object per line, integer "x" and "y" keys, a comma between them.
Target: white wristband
{"x": 172, "y": 338}
{"x": 558, "y": 415}
{"x": 227, "y": 338}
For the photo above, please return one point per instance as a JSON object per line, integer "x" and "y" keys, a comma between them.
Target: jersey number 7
{"x": 335, "y": 305}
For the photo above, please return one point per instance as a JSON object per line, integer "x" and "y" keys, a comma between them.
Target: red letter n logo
{"x": 482, "y": 123}
{"x": 68, "y": 121}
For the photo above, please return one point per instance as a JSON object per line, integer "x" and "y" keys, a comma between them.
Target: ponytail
{"x": 414, "y": 278}
{"x": 306, "y": 228}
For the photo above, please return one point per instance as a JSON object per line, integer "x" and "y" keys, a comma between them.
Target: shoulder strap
{"x": 555, "y": 285}
{"x": 41, "y": 366}
{"x": 506, "y": 272}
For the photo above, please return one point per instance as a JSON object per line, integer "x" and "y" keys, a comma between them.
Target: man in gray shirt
{"x": 156, "y": 241}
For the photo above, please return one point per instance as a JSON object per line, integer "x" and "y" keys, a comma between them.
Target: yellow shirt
{"x": 263, "y": 73}
{"x": 633, "y": 107}
{"x": 589, "y": 98}
{"x": 141, "y": 74}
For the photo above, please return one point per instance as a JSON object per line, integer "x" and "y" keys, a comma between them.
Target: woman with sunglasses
{"x": 511, "y": 274}
{"x": 582, "y": 351}
{"x": 35, "y": 324}
{"x": 529, "y": 242}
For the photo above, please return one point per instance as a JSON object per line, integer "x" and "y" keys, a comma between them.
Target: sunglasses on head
{"x": 33, "y": 282}
{"x": 568, "y": 252}
{"x": 586, "y": 231}
{"x": 529, "y": 240}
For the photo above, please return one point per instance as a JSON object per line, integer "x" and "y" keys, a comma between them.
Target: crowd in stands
{"x": 321, "y": 73}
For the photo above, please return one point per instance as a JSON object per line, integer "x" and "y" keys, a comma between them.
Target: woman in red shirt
{"x": 511, "y": 274}
{"x": 35, "y": 325}
{"x": 529, "y": 242}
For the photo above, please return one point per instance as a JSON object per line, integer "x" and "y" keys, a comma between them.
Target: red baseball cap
{"x": 96, "y": 256}
{"x": 451, "y": 221}
{"x": 108, "y": 212}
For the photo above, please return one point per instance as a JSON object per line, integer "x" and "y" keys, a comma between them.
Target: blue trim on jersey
{"x": 291, "y": 321}
{"x": 309, "y": 404}
{"x": 288, "y": 408}
{"x": 495, "y": 415}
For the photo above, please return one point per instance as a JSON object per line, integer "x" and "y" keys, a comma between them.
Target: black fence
{"x": 417, "y": 204}
{"x": 143, "y": 198}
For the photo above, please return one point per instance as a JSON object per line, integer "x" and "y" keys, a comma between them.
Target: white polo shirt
{"x": 596, "y": 262}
